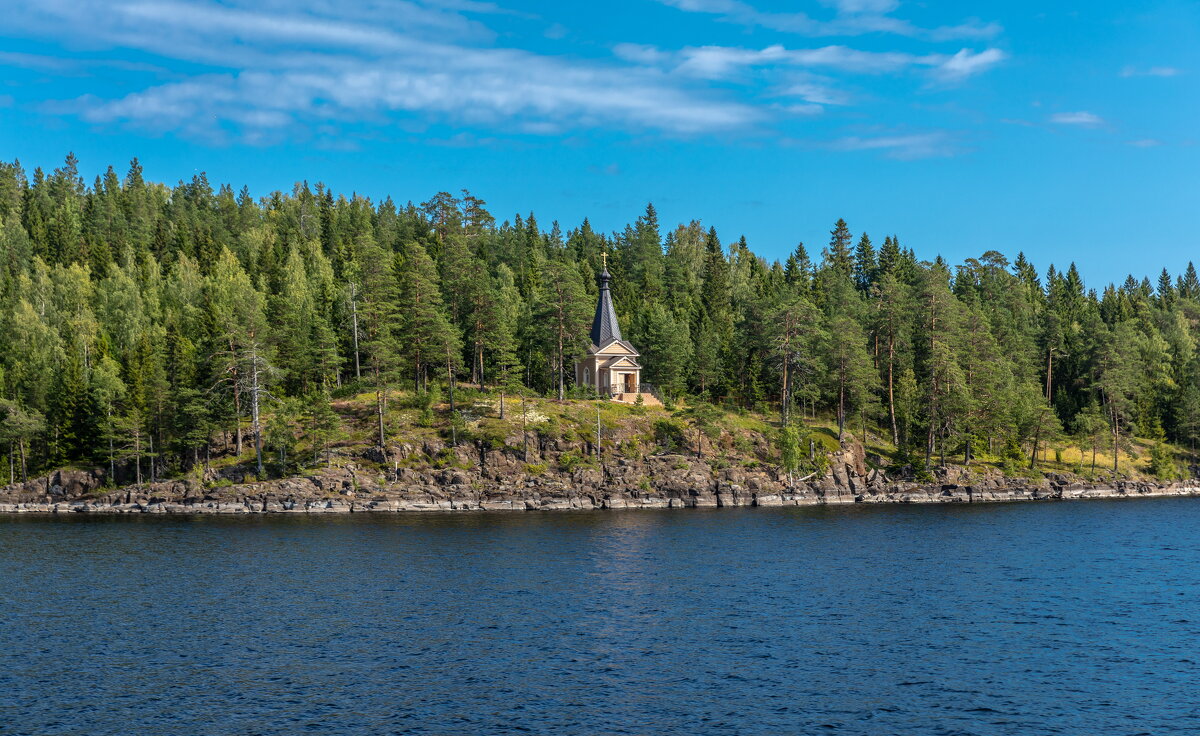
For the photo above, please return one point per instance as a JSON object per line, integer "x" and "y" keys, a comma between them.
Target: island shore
{"x": 501, "y": 481}
{"x": 269, "y": 503}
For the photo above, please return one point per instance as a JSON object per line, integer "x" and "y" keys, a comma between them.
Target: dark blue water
{"x": 1079, "y": 618}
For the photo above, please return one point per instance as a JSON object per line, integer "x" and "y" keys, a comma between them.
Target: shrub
{"x": 568, "y": 461}
{"x": 551, "y": 429}
{"x": 457, "y": 426}
{"x": 742, "y": 444}
{"x": 422, "y": 400}
{"x": 580, "y": 392}
{"x": 349, "y": 389}
{"x": 790, "y": 457}
{"x": 443, "y": 459}
{"x": 490, "y": 434}
{"x": 1162, "y": 462}
{"x": 466, "y": 394}
{"x": 669, "y": 434}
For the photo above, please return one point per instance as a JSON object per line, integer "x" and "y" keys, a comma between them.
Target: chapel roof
{"x": 604, "y": 325}
{"x": 594, "y": 349}
{"x": 617, "y": 359}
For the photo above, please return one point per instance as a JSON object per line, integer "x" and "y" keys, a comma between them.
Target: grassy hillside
{"x": 425, "y": 425}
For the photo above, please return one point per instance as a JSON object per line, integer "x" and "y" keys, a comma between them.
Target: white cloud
{"x": 718, "y": 62}
{"x": 854, "y": 18}
{"x": 1081, "y": 118}
{"x": 641, "y": 54}
{"x": 543, "y": 98}
{"x": 853, "y": 60}
{"x": 1145, "y": 143}
{"x": 804, "y": 110}
{"x": 816, "y": 92}
{"x": 903, "y": 147}
{"x": 862, "y": 6}
{"x": 299, "y": 62}
{"x": 709, "y": 6}
{"x": 71, "y": 66}
{"x": 1154, "y": 71}
{"x": 967, "y": 63}
{"x": 314, "y": 69}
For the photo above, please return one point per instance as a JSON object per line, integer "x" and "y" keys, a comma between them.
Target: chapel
{"x": 610, "y": 366}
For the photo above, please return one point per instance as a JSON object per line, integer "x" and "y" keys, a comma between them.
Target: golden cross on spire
{"x": 604, "y": 258}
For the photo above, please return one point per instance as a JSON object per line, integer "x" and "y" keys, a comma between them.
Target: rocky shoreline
{"x": 502, "y": 481}
{"x": 134, "y": 501}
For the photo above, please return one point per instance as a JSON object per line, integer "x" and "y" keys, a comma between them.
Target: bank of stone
{"x": 501, "y": 480}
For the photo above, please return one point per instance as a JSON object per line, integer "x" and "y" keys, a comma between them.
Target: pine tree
{"x": 668, "y": 350}
{"x": 380, "y": 324}
{"x": 889, "y": 256}
{"x": 1162, "y": 460}
{"x": 293, "y": 315}
{"x": 707, "y": 367}
{"x": 942, "y": 368}
{"x": 460, "y": 275}
{"x": 796, "y": 338}
{"x": 65, "y": 227}
{"x": 563, "y": 315}
{"x": 798, "y": 271}
{"x": 1115, "y": 381}
{"x": 865, "y": 267}
{"x": 1189, "y": 284}
{"x": 36, "y": 352}
{"x": 854, "y": 380}
{"x": 19, "y": 426}
{"x": 838, "y": 257}
{"x": 1090, "y": 426}
{"x": 107, "y": 392}
{"x": 324, "y": 427}
{"x": 1165, "y": 291}
{"x": 714, "y": 331}
{"x": 70, "y": 412}
{"x": 282, "y": 433}
{"x": 425, "y": 331}
{"x": 243, "y": 357}
{"x": 893, "y": 310}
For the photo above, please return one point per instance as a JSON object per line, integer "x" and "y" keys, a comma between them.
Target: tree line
{"x": 146, "y": 326}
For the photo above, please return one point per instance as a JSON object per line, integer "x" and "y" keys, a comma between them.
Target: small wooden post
{"x": 599, "y": 457}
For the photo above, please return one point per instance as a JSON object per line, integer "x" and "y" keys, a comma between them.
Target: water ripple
{"x": 1026, "y": 619}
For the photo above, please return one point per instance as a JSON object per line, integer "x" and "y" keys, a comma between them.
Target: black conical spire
{"x": 604, "y": 324}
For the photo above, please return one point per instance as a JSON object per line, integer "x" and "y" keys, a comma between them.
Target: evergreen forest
{"x": 148, "y": 326}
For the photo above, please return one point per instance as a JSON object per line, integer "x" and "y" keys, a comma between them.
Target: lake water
{"x": 1051, "y": 618}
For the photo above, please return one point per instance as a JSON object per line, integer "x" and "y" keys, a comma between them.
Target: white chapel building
{"x": 610, "y": 366}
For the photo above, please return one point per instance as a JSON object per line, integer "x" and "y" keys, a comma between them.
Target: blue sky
{"x": 1066, "y": 130}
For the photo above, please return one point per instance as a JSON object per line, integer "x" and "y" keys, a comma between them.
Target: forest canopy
{"x": 142, "y": 319}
